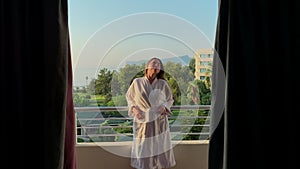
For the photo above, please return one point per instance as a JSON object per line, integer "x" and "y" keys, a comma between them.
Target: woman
{"x": 149, "y": 101}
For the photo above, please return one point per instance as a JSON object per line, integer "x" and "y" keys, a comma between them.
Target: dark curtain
{"x": 257, "y": 43}
{"x": 37, "y": 127}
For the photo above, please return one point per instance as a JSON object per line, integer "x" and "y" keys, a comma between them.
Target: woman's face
{"x": 152, "y": 72}
{"x": 153, "y": 69}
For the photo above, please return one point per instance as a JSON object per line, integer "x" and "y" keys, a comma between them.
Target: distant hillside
{"x": 184, "y": 60}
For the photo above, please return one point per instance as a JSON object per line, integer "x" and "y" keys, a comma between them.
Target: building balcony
{"x": 96, "y": 152}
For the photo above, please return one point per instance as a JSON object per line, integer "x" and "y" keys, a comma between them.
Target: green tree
{"x": 179, "y": 75}
{"x": 91, "y": 86}
{"x": 208, "y": 74}
{"x": 175, "y": 91}
{"x": 192, "y": 66}
{"x": 204, "y": 92}
{"x": 124, "y": 128}
{"x": 127, "y": 74}
{"x": 104, "y": 130}
{"x": 115, "y": 85}
{"x": 80, "y": 100}
{"x": 103, "y": 82}
{"x": 193, "y": 93}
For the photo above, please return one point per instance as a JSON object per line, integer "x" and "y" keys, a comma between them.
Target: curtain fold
{"x": 36, "y": 85}
{"x": 217, "y": 128}
{"x": 70, "y": 136}
{"x": 256, "y": 43}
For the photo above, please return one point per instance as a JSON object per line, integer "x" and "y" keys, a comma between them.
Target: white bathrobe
{"x": 152, "y": 148}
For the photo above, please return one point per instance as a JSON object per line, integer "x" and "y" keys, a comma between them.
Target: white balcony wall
{"x": 188, "y": 154}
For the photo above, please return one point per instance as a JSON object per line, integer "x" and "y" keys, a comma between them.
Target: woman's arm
{"x": 130, "y": 99}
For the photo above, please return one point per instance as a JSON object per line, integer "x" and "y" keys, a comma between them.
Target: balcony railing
{"x": 112, "y": 124}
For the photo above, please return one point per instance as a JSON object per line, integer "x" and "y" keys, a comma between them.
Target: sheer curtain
{"x": 37, "y": 127}
{"x": 256, "y": 43}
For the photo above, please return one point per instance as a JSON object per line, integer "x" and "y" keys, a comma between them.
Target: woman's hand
{"x": 138, "y": 113}
{"x": 162, "y": 110}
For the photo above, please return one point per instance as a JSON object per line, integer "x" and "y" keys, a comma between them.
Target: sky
{"x": 109, "y": 33}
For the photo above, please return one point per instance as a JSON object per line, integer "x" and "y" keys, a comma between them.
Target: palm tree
{"x": 193, "y": 92}
{"x": 86, "y": 80}
{"x": 208, "y": 74}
